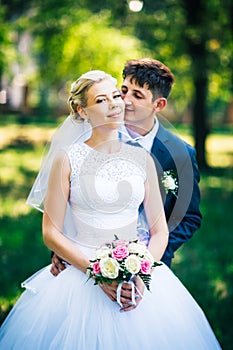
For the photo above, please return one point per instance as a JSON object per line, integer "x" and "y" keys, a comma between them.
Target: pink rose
{"x": 145, "y": 267}
{"x": 120, "y": 242}
{"x": 96, "y": 268}
{"x": 120, "y": 252}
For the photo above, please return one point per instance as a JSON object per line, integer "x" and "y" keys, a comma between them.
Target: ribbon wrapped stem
{"x": 133, "y": 301}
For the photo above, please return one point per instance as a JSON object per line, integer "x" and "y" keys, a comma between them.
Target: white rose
{"x": 133, "y": 264}
{"x": 137, "y": 248}
{"x": 169, "y": 183}
{"x": 102, "y": 253}
{"x": 109, "y": 267}
{"x": 148, "y": 256}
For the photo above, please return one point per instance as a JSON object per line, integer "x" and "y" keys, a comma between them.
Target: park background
{"x": 44, "y": 46}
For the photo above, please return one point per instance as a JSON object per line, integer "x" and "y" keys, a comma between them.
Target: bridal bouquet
{"x": 120, "y": 261}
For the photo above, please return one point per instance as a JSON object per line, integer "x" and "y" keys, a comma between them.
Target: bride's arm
{"x": 54, "y": 214}
{"x": 155, "y": 214}
{"x": 53, "y": 219}
{"x": 154, "y": 210}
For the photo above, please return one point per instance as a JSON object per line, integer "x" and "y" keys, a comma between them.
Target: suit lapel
{"x": 160, "y": 151}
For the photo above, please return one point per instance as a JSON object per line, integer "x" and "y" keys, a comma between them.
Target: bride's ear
{"x": 81, "y": 111}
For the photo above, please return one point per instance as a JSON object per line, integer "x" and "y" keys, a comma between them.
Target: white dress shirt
{"x": 145, "y": 141}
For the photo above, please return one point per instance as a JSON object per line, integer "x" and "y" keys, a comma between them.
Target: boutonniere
{"x": 169, "y": 181}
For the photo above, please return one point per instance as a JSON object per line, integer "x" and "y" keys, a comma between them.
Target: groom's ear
{"x": 159, "y": 104}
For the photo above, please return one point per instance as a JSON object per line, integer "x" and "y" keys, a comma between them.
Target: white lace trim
{"x": 113, "y": 167}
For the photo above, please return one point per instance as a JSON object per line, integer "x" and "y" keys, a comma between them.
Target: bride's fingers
{"x": 109, "y": 290}
{"x": 126, "y": 286}
{"x": 130, "y": 306}
{"x": 126, "y": 296}
{"x": 126, "y": 293}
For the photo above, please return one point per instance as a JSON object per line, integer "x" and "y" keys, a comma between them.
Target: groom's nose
{"x": 123, "y": 94}
{"x": 126, "y": 98}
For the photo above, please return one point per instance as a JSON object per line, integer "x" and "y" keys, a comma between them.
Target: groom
{"x": 145, "y": 89}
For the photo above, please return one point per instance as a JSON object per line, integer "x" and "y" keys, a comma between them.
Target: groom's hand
{"x": 57, "y": 265}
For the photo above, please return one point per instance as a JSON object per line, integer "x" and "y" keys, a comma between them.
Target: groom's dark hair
{"x": 152, "y": 73}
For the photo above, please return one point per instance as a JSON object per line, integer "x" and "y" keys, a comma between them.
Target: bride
{"x": 94, "y": 191}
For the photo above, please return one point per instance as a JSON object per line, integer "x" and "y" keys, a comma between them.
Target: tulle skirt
{"x": 68, "y": 312}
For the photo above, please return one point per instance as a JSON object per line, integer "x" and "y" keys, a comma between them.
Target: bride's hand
{"x": 110, "y": 289}
{"x": 126, "y": 294}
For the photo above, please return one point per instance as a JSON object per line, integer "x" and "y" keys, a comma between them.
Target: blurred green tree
{"x": 70, "y": 46}
{"x": 194, "y": 38}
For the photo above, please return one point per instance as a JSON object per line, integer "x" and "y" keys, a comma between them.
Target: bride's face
{"x": 105, "y": 106}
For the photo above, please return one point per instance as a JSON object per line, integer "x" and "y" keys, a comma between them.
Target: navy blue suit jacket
{"x": 182, "y": 213}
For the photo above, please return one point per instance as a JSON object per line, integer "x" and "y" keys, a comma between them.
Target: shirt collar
{"x": 145, "y": 141}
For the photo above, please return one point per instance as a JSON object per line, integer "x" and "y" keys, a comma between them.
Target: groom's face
{"x": 139, "y": 104}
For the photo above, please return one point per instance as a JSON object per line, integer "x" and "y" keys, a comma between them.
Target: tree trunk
{"x": 200, "y": 120}
{"x": 200, "y": 115}
{"x": 196, "y": 47}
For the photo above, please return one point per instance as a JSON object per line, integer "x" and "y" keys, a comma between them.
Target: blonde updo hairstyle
{"x": 78, "y": 92}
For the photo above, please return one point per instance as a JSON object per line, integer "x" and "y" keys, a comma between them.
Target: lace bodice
{"x": 105, "y": 192}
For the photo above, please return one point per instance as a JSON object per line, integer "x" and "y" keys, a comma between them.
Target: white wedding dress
{"x": 68, "y": 312}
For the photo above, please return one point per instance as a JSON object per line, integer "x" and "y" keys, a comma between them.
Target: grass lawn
{"x": 204, "y": 265}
